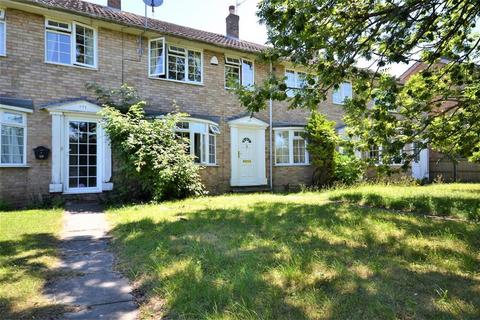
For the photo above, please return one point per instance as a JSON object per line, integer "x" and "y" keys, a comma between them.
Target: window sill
{"x": 292, "y": 165}
{"x": 15, "y": 166}
{"x": 72, "y": 66}
{"x": 207, "y": 165}
{"x": 177, "y": 81}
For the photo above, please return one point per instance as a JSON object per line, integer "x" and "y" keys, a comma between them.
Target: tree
{"x": 438, "y": 106}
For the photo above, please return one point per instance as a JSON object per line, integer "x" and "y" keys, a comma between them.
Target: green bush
{"x": 348, "y": 169}
{"x": 322, "y": 141}
{"x": 152, "y": 160}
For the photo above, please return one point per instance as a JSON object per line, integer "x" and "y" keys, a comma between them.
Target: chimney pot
{"x": 232, "y": 22}
{"x": 115, "y": 4}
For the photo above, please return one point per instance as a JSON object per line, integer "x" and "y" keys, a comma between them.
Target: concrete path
{"x": 90, "y": 284}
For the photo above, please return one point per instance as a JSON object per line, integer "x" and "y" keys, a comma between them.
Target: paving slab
{"x": 89, "y": 282}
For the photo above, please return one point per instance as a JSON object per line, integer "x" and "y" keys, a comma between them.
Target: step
{"x": 251, "y": 189}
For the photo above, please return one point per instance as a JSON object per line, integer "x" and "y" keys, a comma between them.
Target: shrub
{"x": 348, "y": 169}
{"x": 152, "y": 160}
{"x": 322, "y": 141}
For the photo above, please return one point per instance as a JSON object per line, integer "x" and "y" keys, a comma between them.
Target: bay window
{"x": 13, "y": 138}
{"x": 201, "y": 138}
{"x": 174, "y": 62}
{"x": 343, "y": 92}
{"x": 290, "y": 147}
{"x": 70, "y": 43}
{"x": 294, "y": 81}
{"x": 3, "y": 34}
{"x": 239, "y": 71}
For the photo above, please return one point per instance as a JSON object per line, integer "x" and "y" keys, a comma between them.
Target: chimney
{"x": 232, "y": 21}
{"x": 115, "y": 4}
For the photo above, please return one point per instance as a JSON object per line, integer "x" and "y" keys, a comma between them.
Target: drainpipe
{"x": 270, "y": 123}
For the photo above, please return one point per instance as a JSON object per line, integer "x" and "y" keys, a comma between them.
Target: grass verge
{"x": 28, "y": 252}
{"x": 455, "y": 200}
{"x": 296, "y": 257}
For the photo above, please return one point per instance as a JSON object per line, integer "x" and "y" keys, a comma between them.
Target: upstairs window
{"x": 201, "y": 140}
{"x": 3, "y": 34}
{"x": 174, "y": 63}
{"x": 294, "y": 81}
{"x": 290, "y": 147}
{"x": 239, "y": 71}
{"x": 343, "y": 92}
{"x": 13, "y": 138}
{"x": 70, "y": 44}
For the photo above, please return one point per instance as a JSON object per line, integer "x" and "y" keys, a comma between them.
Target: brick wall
{"x": 24, "y": 74}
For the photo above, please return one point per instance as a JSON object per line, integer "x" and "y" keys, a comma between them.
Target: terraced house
{"x": 52, "y": 141}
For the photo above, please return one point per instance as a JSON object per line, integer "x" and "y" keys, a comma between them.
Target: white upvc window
{"x": 374, "y": 154}
{"x": 239, "y": 71}
{"x": 343, "y": 92}
{"x": 294, "y": 80}
{"x": 174, "y": 62}
{"x": 13, "y": 138}
{"x": 201, "y": 138}
{"x": 3, "y": 34}
{"x": 70, "y": 43}
{"x": 290, "y": 147}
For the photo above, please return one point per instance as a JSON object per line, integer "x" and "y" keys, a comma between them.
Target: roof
{"x": 16, "y": 102}
{"x": 108, "y": 14}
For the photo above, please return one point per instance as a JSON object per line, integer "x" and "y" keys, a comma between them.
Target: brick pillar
{"x": 232, "y": 22}
{"x": 116, "y": 4}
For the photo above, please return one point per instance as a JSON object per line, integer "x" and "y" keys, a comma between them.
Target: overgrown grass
{"x": 28, "y": 252}
{"x": 456, "y": 200}
{"x": 296, "y": 257}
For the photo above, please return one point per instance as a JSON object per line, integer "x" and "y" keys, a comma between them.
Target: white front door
{"x": 247, "y": 157}
{"x": 420, "y": 165}
{"x": 248, "y": 152}
{"x": 83, "y": 155}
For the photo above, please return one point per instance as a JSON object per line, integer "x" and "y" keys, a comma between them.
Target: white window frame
{"x": 23, "y": 113}
{"x": 340, "y": 95}
{"x": 379, "y": 161}
{"x": 298, "y": 84}
{"x": 166, "y": 47}
{"x": 291, "y": 136}
{"x": 229, "y": 61}
{"x": 150, "y": 74}
{"x": 72, "y": 28}
{"x": 3, "y": 23}
{"x": 206, "y": 129}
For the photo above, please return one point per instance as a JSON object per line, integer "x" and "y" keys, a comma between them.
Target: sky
{"x": 209, "y": 15}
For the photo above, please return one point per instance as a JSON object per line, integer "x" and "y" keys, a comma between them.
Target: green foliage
{"x": 322, "y": 141}
{"x": 4, "y": 206}
{"x": 120, "y": 98}
{"x": 348, "y": 169}
{"x": 151, "y": 155}
{"x": 439, "y": 106}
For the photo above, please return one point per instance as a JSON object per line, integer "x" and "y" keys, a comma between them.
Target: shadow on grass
{"x": 451, "y": 205}
{"x": 22, "y": 266}
{"x": 289, "y": 261}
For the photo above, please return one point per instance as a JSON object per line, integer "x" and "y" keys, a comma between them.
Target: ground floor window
{"x": 13, "y": 138}
{"x": 290, "y": 147}
{"x": 201, "y": 138}
{"x": 374, "y": 155}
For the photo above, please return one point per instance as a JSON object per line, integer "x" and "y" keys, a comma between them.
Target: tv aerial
{"x": 153, "y": 3}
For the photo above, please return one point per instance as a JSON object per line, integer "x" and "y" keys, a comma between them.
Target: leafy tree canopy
{"x": 438, "y": 106}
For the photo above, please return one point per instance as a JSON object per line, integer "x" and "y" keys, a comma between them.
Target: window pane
{"x": 84, "y": 41}
{"x": 232, "y": 76}
{"x": 2, "y": 38}
{"x": 157, "y": 57}
{"x": 197, "y": 147}
{"x": 14, "y": 118}
{"x": 247, "y": 73}
{"x": 58, "y": 47}
{"x": 12, "y": 145}
{"x": 298, "y": 149}
{"x": 194, "y": 66}
{"x": 281, "y": 147}
{"x": 176, "y": 67}
{"x": 212, "y": 149}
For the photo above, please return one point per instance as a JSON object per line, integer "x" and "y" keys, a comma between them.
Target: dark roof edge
{"x": 17, "y": 102}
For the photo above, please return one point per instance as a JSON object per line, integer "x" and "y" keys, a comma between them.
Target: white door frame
{"x": 257, "y": 127}
{"x": 61, "y": 114}
{"x": 420, "y": 169}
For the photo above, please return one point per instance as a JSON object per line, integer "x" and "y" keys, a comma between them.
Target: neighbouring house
{"x": 52, "y": 142}
{"x": 436, "y": 164}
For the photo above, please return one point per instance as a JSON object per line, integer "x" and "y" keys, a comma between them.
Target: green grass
{"x": 28, "y": 252}
{"x": 456, "y": 200}
{"x": 297, "y": 256}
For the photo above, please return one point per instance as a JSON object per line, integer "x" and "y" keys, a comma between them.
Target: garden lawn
{"x": 28, "y": 253}
{"x": 296, "y": 256}
{"x": 459, "y": 200}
